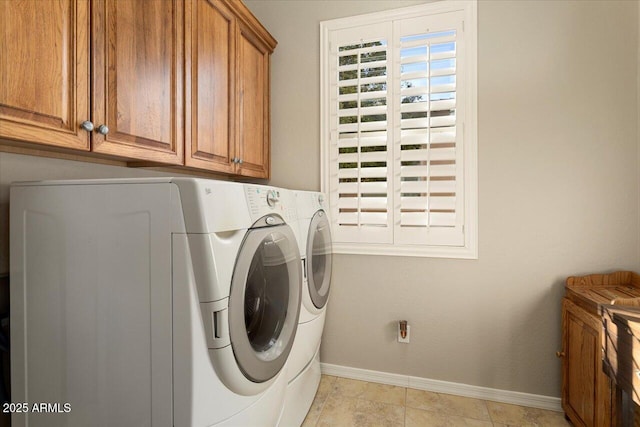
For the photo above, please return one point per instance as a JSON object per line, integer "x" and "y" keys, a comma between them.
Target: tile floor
{"x": 344, "y": 402}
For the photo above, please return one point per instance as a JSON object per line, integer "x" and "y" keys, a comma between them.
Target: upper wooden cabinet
{"x": 138, "y": 79}
{"x": 181, "y": 82}
{"x": 136, "y": 87}
{"x": 211, "y": 28}
{"x": 44, "y": 72}
{"x": 253, "y": 105}
{"x": 228, "y": 55}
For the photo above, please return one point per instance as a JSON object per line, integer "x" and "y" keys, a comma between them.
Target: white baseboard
{"x": 437, "y": 386}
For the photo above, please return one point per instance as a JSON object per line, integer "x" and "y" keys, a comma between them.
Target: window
{"x": 399, "y": 151}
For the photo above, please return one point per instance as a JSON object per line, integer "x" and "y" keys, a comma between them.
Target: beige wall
{"x": 558, "y": 161}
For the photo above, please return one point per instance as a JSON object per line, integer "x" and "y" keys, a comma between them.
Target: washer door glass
{"x": 319, "y": 259}
{"x": 264, "y": 304}
{"x": 267, "y": 286}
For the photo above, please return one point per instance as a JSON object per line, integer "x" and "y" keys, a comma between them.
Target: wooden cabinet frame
{"x": 230, "y": 133}
{"x": 210, "y": 113}
{"x": 162, "y": 102}
{"x": 586, "y": 392}
{"x": 44, "y": 89}
{"x": 253, "y": 105}
{"x": 133, "y": 131}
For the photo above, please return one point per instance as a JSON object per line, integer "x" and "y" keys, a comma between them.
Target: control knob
{"x": 272, "y": 198}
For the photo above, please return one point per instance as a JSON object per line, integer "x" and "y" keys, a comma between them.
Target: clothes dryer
{"x": 163, "y": 301}
{"x": 303, "y": 370}
{"x": 315, "y": 253}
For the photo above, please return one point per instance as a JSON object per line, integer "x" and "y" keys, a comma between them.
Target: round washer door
{"x": 319, "y": 259}
{"x": 264, "y": 302}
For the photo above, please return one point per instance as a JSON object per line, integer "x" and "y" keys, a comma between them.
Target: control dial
{"x": 272, "y": 198}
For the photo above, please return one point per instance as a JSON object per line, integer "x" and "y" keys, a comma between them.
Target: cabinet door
{"x": 253, "y": 106}
{"x": 211, "y": 88}
{"x": 138, "y": 79}
{"x": 586, "y": 390}
{"x": 44, "y": 72}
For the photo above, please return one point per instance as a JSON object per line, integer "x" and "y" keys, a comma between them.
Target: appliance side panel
{"x": 17, "y": 280}
{"x": 92, "y": 328}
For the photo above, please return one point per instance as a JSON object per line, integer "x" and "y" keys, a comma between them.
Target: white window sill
{"x": 456, "y": 252}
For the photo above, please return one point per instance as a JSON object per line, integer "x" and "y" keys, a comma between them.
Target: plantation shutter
{"x": 428, "y": 185}
{"x": 360, "y": 117}
{"x": 398, "y": 90}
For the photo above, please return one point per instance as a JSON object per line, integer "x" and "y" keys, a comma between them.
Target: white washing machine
{"x": 303, "y": 372}
{"x": 151, "y": 302}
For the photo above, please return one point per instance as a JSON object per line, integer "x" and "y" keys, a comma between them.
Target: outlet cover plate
{"x": 406, "y": 339}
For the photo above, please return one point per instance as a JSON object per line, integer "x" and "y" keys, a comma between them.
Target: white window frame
{"x": 468, "y": 152}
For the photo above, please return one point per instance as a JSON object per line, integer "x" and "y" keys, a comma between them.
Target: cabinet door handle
{"x": 87, "y": 125}
{"x": 103, "y": 129}
{"x": 239, "y": 161}
{"x": 560, "y": 354}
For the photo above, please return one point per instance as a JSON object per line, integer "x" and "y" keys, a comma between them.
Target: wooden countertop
{"x": 593, "y": 291}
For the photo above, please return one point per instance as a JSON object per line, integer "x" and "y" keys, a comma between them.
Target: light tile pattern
{"x": 351, "y": 403}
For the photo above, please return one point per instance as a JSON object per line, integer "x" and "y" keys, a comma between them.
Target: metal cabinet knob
{"x": 87, "y": 125}
{"x": 560, "y": 354}
{"x": 103, "y": 129}
{"x": 239, "y": 161}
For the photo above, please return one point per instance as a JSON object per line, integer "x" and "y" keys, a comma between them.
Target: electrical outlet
{"x": 406, "y": 339}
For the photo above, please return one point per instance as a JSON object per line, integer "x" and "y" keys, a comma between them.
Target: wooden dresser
{"x": 588, "y": 396}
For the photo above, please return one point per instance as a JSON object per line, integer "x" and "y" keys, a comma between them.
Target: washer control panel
{"x": 263, "y": 200}
{"x": 310, "y": 202}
